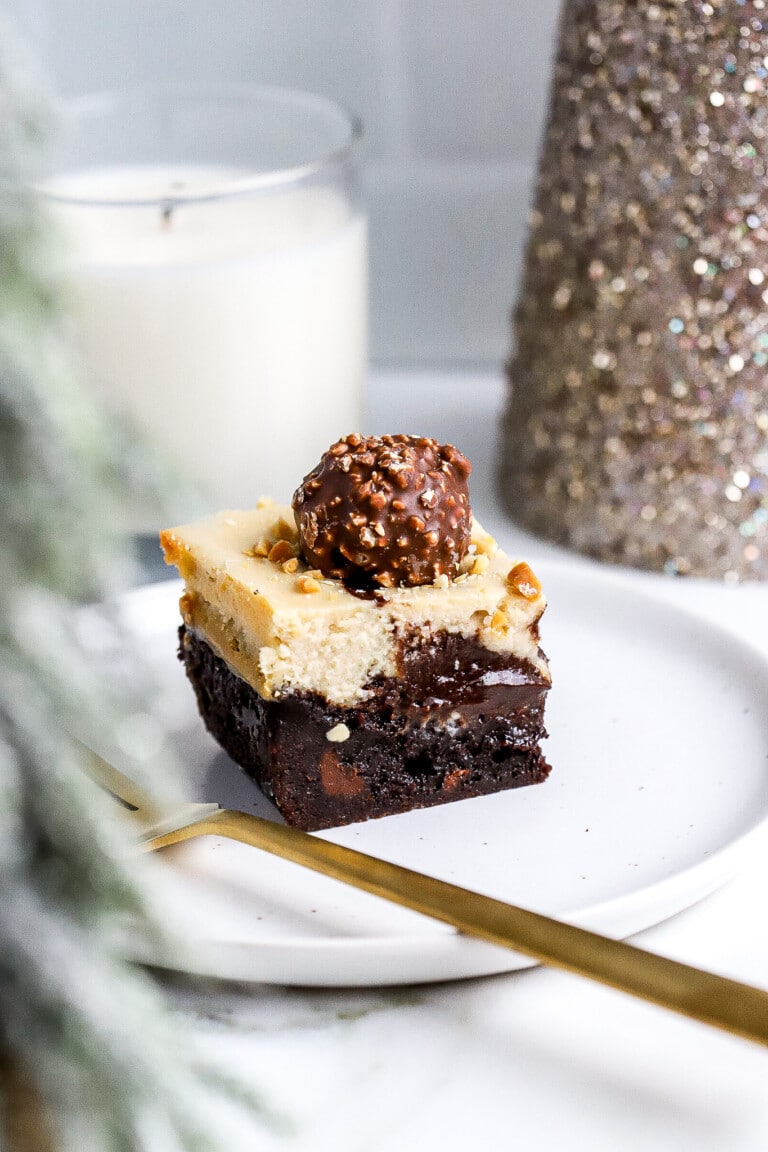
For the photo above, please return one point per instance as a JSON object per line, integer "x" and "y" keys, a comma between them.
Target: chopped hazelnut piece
{"x": 307, "y": 584}
{"x": 479, "y": 565}
{"x": 280, "y": 551}
{"x": 338, "y": 734}
{"x": 285, "y": 530}
{"x": 499, "y": 621}
{"x": 486, "y": 546}
{"x": 260, "y": 548}
{"x": 523, "y": 582}
{"x": 290, "y": 566}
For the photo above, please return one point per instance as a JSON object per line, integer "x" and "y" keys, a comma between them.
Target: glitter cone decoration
{"x": 637, "y": 424}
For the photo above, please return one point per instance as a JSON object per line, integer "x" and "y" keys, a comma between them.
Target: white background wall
{"x": 452, "y": 93}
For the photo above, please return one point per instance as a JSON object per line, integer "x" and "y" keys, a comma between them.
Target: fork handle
{"x": 726, "y": 1004}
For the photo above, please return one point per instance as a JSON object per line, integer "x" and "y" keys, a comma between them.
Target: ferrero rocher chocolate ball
{"x": 390, "y": 510}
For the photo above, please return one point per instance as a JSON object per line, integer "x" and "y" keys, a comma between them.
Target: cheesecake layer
{"x": 287, "y": 631}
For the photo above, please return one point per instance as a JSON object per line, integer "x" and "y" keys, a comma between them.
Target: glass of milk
{"x": 218, "y": 261}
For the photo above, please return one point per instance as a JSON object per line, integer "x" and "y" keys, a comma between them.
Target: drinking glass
{"x": 217, "y": 253}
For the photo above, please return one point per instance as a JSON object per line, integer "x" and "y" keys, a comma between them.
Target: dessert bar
{"x": 352, "y": 678}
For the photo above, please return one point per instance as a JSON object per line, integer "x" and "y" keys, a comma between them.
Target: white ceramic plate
{"x": 659, "y": 747}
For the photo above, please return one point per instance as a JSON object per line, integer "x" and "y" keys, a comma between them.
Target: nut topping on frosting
{"x": 390, "y": 509}
{"x": 524, "y": 582}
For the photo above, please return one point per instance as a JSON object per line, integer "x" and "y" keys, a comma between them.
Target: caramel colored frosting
{"x": 286, "y": 628}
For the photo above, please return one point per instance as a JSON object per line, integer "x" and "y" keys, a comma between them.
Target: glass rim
{"x": 94, "y": 103}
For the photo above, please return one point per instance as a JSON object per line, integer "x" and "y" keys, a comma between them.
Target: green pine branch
{"x": 85, "y": 1033}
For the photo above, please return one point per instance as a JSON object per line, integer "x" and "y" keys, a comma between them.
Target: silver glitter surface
{"x": 636, "y": 429}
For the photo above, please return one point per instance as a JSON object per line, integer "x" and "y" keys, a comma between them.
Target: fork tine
{"x": 118, "y": 785}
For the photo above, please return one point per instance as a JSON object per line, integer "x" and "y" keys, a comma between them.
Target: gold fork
{"x": 727, "y": 1004}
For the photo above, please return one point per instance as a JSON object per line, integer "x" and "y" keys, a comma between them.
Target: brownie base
{"x": 430, "y": 737}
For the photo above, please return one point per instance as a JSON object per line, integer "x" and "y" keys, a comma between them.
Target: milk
{"x": 234, "y": 330}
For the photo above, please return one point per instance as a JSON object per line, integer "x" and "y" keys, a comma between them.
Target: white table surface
{"x": 532, "y": 1060}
